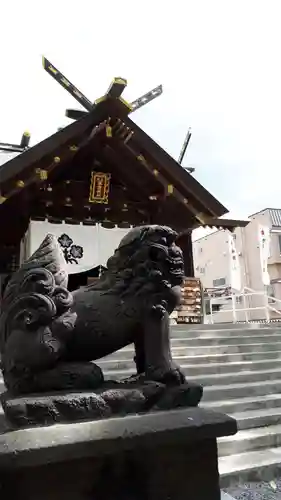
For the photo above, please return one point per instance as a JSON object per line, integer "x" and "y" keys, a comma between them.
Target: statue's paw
{"x": 171, "y": 375}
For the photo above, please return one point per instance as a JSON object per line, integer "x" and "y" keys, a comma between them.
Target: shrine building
{"x": 89, "y": 183}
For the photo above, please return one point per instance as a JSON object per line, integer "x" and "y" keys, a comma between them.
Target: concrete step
{"x": 116, "y": 358}
{"x": 199, "y": 369}
{"x": 224, "y": 326}
{"x": 239, "y": 405}
{"x": 257, "y": 418}
{"x": 213, "y": 379}
{"x": 234, "y": 391}
{"x": 212, "y": 350}
{"x": 219, "y": 339}
{"x": 228, "y": 357}
{"x": 250, "y": 440}
{"x": 263, "y": 465}
{"x": 214, "y": 332}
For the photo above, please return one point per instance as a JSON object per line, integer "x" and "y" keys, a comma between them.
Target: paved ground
{"x": 225, "y": 496}
{"x": 255, "y": 491}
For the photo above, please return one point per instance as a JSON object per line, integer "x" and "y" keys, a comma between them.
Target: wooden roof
{"x": 52, "y": 179}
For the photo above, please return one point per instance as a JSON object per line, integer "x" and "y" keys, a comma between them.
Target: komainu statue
{"x": 50, "y": 337}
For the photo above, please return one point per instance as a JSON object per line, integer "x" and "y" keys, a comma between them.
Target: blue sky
{"x": 218, "y": 61}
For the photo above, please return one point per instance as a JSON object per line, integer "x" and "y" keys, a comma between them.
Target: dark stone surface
{"x": 50, "y": 337}
{"x": 166, "y": 473}
{"x": 157, "y": 456}
{"x": 110, "y": 400}
{"x": 42, "y": 445}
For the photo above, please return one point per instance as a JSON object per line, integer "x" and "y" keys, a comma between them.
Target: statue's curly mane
{"x": 141, "y": 262}
{"x": 37, "y": 292}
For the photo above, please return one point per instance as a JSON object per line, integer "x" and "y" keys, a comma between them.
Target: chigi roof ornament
{"x": 115, "y": 90}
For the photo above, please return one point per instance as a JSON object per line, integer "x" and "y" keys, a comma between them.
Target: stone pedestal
{"x": 158, "y": 456}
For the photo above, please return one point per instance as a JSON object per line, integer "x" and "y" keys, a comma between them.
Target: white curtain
{"x": 86, "y": 246}
{"x": 108, "y": 241}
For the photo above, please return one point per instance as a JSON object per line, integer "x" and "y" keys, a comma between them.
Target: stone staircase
{"x": 240, "y": 369}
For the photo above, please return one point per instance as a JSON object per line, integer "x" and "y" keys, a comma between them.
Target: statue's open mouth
{"x": 171, "y": 258}
{"x": 175, "y": 269}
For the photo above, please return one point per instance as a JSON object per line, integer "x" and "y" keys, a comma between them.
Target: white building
{"x": 256, "y": 250}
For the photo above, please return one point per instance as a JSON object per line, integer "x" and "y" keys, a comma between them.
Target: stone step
{"x": 198, "y": 369}
{"x": 263, "y": 465}
{"x": 202, "y": 359}
{"x": 239, "y": 405}
{"x": 234, "y": 391}
{"x": 213, "y": 379}
{"x": 227, "y": 340}
{"x": 203, "y": 350}
{"x": 257, "y": 418}
{"x": 114, "y": 362}
{"x": 227, "y": 332}
{"x": 224, "y": 326}
{"x": 250, "y": 440}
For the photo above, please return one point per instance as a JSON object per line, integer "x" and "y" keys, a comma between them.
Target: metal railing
{"x": 246, "y": 293}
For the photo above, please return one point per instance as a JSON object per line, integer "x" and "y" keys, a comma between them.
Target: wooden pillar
{"x": 185, "y": 243}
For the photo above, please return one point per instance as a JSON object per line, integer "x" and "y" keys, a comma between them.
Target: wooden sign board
{"x": 191, "y": 308}
{"x": 99, "y": 188}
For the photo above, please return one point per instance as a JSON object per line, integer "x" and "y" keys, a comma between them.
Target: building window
{"x": 219, "y": 282}
{"x": 270, "y": 293}
{"x": 279, "y": 239}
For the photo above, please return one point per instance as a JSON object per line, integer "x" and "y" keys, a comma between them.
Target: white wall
{"x": 98, "y": 243}
{"x": 212, "y": 255}
{"x": 211, "y": 258}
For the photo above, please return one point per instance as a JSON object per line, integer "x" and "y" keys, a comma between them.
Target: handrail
{"x": 246, "y": 292}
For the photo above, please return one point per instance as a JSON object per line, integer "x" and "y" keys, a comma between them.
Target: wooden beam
{"x": 49, "y": 146}
{"x": 227, "y": 223}
{"x": 128, "y": 173}
{"x": 173, "y": 171}
{"x": 62, "y": 158}
{"x": 169, "y": 189}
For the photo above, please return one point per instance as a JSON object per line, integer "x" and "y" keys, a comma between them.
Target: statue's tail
{"x": 36, "y": 289}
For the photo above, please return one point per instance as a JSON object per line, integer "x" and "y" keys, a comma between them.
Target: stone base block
{"x": 158, "y": 456}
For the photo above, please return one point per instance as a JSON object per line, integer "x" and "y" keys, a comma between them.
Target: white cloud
{"x": 218, "y": 62}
